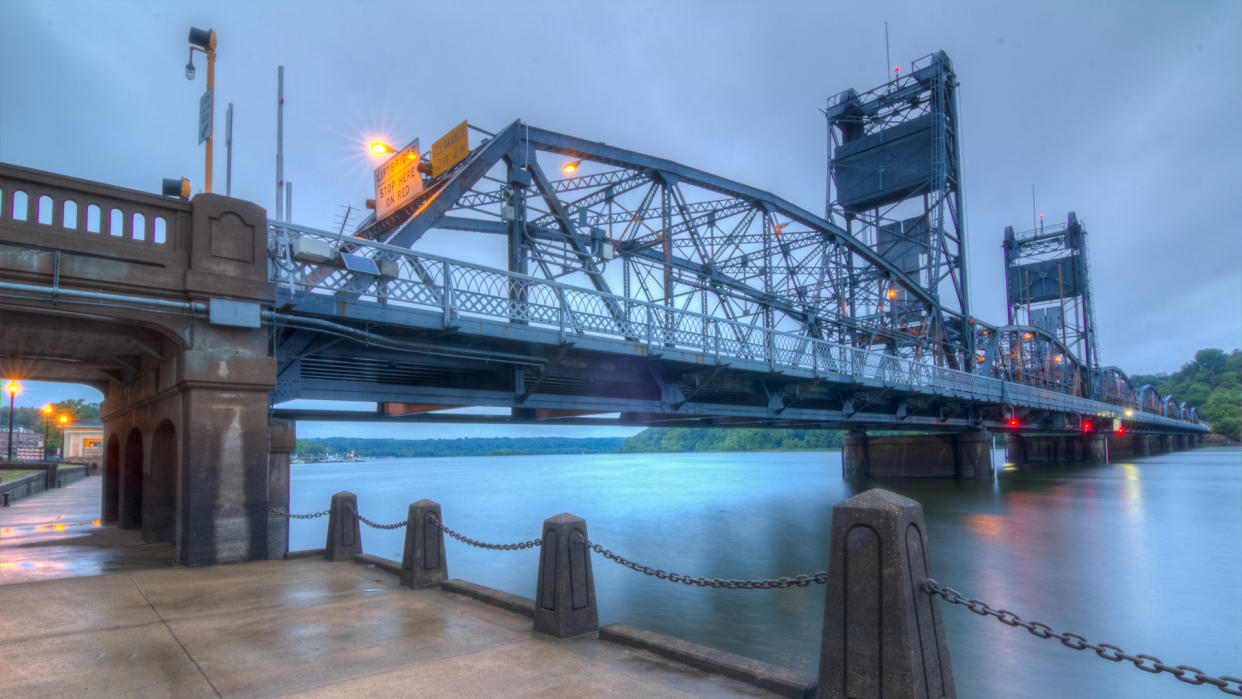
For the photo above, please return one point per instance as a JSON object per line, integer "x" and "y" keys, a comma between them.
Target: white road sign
{"x": 204, "y": 116}
{"x": 397, "y": 181}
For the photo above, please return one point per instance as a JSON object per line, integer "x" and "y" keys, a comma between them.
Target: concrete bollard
{"x": 423, "y": 564}
{"x": 344, "y": 530}
{"x": 565, "y": 595}
{"x": 882, "y": 634}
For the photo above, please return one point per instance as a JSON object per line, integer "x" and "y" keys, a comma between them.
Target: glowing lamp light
{"x": 381, "y": 148}
{"x": 571, "y": 167}
{"x": 1056, "y": 358}
{"x": 1027, "y": 336}
{"x": 13, "y": 388}
{"x": 1129, "y": 413}
{"x": 1013, "y": 422}
{"x": 1087, "y": 426}
{"x": 1121, "y": 429}
{"x": 63, "y": 419}
{"x": 892, "y": 293}
{"x": 47, "y": 409}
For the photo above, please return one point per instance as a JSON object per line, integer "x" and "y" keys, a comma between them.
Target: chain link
{"x": 1107, "y": 651}
{"x": 369, "y": 523}
{"x": 483, "y": 545}
{"x": 290, "y": 515}
{"x": 819, "y": 578}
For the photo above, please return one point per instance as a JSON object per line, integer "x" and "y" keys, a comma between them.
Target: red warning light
{"x": 1013, "y": 422}
{"x": 1121, "y": 429}
{"x": 1087, "y": 426}
{"x": 896, "y": 69}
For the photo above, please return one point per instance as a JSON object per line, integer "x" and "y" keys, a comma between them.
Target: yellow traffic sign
{"x": 452, "y": 148}
{"x": 397, "y": 181}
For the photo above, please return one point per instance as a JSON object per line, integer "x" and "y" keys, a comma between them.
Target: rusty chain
{"x": 1107, "y": 651}
{"x": 483, "y": 545}
{"x": 819, "y": 578}
{"x": 369, "y": 523}
{"x": 290, "y": 515}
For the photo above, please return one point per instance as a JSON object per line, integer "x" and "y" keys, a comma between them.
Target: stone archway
{"x": 159, "y": 486}
{"x": 130, "y": 500}
{"x": 111, "y": 481}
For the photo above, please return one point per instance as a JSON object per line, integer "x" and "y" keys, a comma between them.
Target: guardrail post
{"x": 344, "y": 530}
{"x": 565, "y": 595}
{"x": 882, "y": 634}
{"x": 423, "y": 563}
{"x": 446, "y": 295}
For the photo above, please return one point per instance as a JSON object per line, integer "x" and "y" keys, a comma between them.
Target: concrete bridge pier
{"x": 1051, "y": 449}
{"x": 964, "y": 455}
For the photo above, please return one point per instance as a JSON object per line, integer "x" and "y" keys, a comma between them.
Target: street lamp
{"x": 47, "y": 418}
{"x": 13, "y": 388}
{"x": 381, "y": 148}
{"x": 64, "y": 422}
{"x": 571, "y": 167}
{"x": 204, "y": 40}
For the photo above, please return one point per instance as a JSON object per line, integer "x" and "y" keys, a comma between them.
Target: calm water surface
{"x": 1144, "y": 554}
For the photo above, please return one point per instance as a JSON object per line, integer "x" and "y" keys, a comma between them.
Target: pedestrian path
{"x": 58, "y": 534}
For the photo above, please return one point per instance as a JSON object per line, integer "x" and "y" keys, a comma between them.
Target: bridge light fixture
{"x": 1056, "y": 358}
{"x": 1087, "y": 426}
{"x": 571, "y": 167}
{"x": 892, "y": 293}
{"x": 1121, "y": 429}
{"x": 1129, "y": 412}
{"x": 1027, "y": 336}
{"x": 176, "y": 188}
{"x": 381, "y": 148}
{"x": 1014, "y": 423}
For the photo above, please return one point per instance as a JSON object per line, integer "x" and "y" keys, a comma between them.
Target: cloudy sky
{"x": 1126, "y": 112}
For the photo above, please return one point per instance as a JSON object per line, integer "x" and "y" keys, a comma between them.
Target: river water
{"x": 1145, "y": 554}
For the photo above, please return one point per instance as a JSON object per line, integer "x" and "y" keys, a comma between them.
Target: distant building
{"x": 84, "y": 441}
{"x": 27, "y": 445}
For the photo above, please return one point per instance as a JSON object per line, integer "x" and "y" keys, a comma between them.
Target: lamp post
{"x": 13, "y": 388}
{"x": 47, "y": 417}
{"x": 64, "y": 422}
{"x": 204, "y": 40}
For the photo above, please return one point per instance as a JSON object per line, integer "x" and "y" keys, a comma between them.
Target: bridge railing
{"x": 456, "y": 289}
{"x": 66, "y": 213}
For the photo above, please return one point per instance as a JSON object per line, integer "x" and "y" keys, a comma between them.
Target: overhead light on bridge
{"x": 1056, "y": 358}
{"x": 1129, "y": 412}
{"x": 13, "y": 388}
{"x": 1027, "y": 336}
{"x": 1014, "y": 422}
{"x": 381, "y": 148}
{"x": 892, "y": 293}
{"x": 1087, "y": 426}
{"x": 571, "y": 167}
{"x": 176, "y": 188}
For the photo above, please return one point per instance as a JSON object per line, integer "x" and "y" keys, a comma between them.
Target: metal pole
{"x": 211, "y": 89}
{"x": 280, "y": 139}
{"x": 288, "y": 201}
{"x": 12, "y": 395}
{"x": 228, "y": 149}
{"x": 45, "y": 436}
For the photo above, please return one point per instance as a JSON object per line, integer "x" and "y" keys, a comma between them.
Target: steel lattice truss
{"x": 895, "y": 185}
{"x": 653, "y": 230}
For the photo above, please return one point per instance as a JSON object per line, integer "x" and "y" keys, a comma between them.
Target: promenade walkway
{"x": 269, "y": 628}
{"x": 57, "y": 534}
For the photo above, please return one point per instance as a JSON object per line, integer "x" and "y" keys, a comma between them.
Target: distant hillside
{"x": 465, "y": 446}
{"x": 661, "y": 439}
{"x": 1212, "y": 383}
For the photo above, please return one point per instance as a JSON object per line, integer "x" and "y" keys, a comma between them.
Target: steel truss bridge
{"x": 639, "y": 291}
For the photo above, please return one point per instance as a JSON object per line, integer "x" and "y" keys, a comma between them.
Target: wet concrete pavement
{"x": 272, "y": 628}
{"x": 57, "y": 534}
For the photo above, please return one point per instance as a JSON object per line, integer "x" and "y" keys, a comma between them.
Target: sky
{"x": 1123, "y": 111}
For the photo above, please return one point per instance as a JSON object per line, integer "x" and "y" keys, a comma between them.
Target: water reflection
{"x": 1144, "y": 554}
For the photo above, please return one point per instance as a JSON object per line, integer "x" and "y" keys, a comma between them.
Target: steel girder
{"x": 683, "y": 237}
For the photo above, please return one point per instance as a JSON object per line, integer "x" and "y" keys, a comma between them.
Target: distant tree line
{"x": 662, "y": 439}
{"x": 1212, "y": 383}
{"x": 362, "y": 447}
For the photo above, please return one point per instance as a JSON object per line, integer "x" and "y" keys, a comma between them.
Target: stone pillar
{"x": 344, "y": 529}
{"x": 966, "y": 455}
{"x": 565, "y": 593}
{"x": 854, "y": 463}
{"x": 423, "y": 563}
{"x": 882, "y": 636}
{"x": 281, "y": 440}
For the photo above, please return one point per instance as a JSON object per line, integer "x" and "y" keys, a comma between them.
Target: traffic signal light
{"x": 176, "y": 188}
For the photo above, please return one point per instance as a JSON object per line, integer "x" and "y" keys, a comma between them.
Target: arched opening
{"x": 159, "y": 486}
{"x": 111, "y": 480}
{"x": 131, "y": 482}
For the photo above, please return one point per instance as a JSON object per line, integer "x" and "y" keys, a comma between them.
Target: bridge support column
{"x": 966, "y": 455}
{"x": 281, "y": 439}
{"x": 1053, "y": 449}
